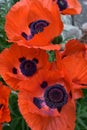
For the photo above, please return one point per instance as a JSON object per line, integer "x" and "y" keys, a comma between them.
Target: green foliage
{"x": 6, "y": 126}
{"x": 52, "y": 56}
{"x": 81, "y": 122}
{"x": 2, "y": 80}
{"x": 17, "y": 121}
{"x": 4, "y": 7}
{"x": 57, "y": 40}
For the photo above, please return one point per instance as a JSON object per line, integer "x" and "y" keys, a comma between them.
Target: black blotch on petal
{"x": 27, "y": 37}
{"x": 37, "y": 102}
{"x": 35, "y": 60}
{"x": 70, "y": 94}
{"x": 44, "y": 84}
{"x": 14, "y": 70}
{"x": 24, "y": 35}
{"x": 62, "y": 4}
{"x": 22, "y": 59}
{"x": 59, "y": 109}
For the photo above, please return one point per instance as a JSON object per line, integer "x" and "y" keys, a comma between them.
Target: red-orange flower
{"x": 31, "y": 23}
{"x": 19, "y": 63}
{"x": 55, "y": 85}
{"x": 4, "y": 98}
{"x": 74, "y": 63}
{"x": 69, "y": 6}
{"x": 59, "y": 85}
{"x": 52, "y": 110}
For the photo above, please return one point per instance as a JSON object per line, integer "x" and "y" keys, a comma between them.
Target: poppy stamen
{"x": 62, "y": 4}
{"x": 28, "y": 67}
{"x": 56, "y": 96}
{"x": 38, "y": 26}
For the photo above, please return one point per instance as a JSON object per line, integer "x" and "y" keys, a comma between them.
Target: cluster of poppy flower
{"x": 47, "y": 90}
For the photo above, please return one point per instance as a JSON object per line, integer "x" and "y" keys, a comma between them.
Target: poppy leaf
{"x": 17, "y": 122}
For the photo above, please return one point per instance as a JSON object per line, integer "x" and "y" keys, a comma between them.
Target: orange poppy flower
{"x": 19, "y": 63}
{"x": 31, "y": 24}
{"x": 4, "y": 98}
{"x": 51, "y": 101}
{"x": 52, "y": 87}
{"x": 52, "y": 110}
{"x": 69, "y": 6}
{"x": 74, "y": 63}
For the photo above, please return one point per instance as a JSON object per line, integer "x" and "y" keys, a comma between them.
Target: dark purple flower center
{"x": 62, "y": 4}
{"x": 28, "y": 67}
{"x": 55, "y": 96}
{"x": 35, "y": 28}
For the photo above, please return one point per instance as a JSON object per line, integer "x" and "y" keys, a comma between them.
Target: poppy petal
{"x": 76, "y": 66}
